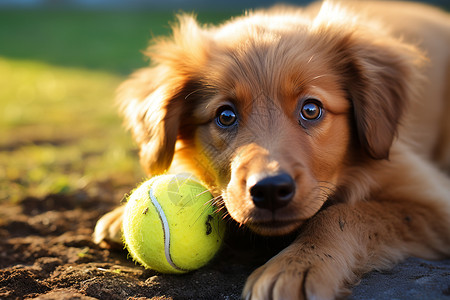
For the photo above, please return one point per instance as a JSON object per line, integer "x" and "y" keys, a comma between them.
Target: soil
{"x": 46, "y": 252}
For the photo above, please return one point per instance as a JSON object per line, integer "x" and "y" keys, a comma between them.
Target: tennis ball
{"x": 170, "y": 225}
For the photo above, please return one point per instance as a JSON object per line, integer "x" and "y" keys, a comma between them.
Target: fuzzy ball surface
{"x": 170, "y": 224}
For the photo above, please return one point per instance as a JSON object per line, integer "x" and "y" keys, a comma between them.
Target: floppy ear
{"x": 152, "y": 112}
{"x": 153, "y": 100}
{"x": 381, "y": 77}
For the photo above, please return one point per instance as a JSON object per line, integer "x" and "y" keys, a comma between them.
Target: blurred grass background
{"x": 59, "y": 129}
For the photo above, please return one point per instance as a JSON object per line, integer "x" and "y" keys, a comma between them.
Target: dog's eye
{"x": 311, "y": 110}
{"x": 226, "y": 117}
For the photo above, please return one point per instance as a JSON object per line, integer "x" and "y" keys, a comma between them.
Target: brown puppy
{"x": 282, "y": 110}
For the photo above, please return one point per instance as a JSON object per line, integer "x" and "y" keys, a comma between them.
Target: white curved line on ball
{"x": 166, "y": 229}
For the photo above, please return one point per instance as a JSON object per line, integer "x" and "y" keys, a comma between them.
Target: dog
{"x": 329, "y": 121}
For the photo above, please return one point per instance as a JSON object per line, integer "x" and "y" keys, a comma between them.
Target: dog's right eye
{"x": 226, "y": 117}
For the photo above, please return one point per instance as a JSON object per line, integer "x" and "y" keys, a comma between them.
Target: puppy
{"x": 329, "y": 121}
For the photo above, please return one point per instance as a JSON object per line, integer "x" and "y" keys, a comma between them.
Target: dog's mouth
{"x": 274, "y": 227}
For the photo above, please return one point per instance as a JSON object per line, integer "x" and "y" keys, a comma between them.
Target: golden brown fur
{"x": 378, "y": 154}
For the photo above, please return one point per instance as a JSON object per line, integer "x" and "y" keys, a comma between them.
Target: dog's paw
{"x": 109, "y": 228}
{"x": 292, "y": 277}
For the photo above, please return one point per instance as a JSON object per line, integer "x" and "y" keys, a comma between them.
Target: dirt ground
{"x": 46, "y": 252}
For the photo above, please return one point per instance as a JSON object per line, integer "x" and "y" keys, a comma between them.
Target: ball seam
{"x": 166, "y": 230}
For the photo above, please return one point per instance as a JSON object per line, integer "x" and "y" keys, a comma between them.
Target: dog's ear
{"x": 153, "y": 100}
{"x": 151, "y": 108}
{"x": 381, "y": 78}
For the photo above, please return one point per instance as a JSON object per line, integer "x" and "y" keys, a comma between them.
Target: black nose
{"x": 273, "y": 192}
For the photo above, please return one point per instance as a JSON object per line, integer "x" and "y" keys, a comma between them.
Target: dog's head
{"x": 270, "y": 109}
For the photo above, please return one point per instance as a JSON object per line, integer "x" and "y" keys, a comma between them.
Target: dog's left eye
{"x": 226, "y": 117}
{"x": 311, "y": 110}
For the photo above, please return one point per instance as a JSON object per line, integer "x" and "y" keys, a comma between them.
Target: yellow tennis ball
{"x": 170, "y": 225}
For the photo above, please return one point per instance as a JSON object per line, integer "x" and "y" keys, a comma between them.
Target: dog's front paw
{"x": 109, "y": 228}
{"x": 288, "y": 276}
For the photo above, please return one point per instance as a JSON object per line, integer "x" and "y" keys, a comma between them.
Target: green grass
{"x": 59, "y": 129}
{"x": 110, "y": 41}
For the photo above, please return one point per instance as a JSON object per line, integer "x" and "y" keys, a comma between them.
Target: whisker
{"x": 205, "y": 191}
{"x": 310, "y": 59}
{"x": 202, "y": 89}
